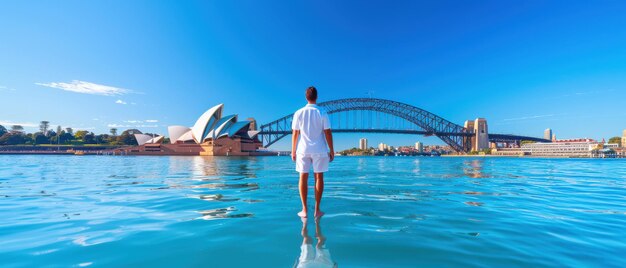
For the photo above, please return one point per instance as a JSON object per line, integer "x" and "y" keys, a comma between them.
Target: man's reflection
{"x": 310, "y": 257}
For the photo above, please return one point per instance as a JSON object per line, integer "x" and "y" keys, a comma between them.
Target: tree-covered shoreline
{"x": 16, "y": 135}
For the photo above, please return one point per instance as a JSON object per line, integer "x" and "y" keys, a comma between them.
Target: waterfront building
{"x": 547, "y": 134}
{"x": 363, "y": 144}
{"x": 212, "y": 134}
{"x": 562, "y": 148}
{"x": 611, "y": 146}
{"x": 419, "y": 147}
{"x": 384, "y": 147}
{"x": 624, "y": 138}
{"x": 508, "y": 151}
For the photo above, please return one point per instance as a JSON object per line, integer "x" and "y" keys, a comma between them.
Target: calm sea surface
{"x": 108, "y": 211}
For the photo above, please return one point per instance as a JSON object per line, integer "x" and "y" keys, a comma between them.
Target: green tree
{"x": 3, "y": 130}
{"x": 80, "y": 135}
{"x": 66, "y": 138}
{"x": 17, "y": 128}
{"x": 128, "y": 137}
{"x": 89, "y": 138}
{"x": 39, "y": 138}
{"x": 13, "y": 139}
{"x": 113, "y": 132}
{"x": 69, "y": 130}
{"x": 617, "y": 140}
{"x": 103, "y": 139}
{"x": 43, "y": 127}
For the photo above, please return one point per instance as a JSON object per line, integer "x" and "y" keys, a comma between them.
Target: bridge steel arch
{"x": 452, "y": 134}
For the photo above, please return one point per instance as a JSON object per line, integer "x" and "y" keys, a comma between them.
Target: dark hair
{"x": 311, "y": 93}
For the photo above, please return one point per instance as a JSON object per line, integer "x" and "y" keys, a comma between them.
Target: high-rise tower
{"x": 547, "y": 134}
{"x": 363, "y": 144}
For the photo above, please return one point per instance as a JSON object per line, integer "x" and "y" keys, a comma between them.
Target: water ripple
{"x": 381, "y": 211}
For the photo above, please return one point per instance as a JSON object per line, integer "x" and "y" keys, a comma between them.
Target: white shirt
{"x": 311, "y": 121}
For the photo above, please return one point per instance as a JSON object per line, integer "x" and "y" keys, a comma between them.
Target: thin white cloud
{"x": 528, "y": 117}
{"x": 83, "y": 128}
{"x": 120, "y": 102}
{"x": 86, "y": 88}
{"x": 141, "y": 121}
{"x": 6, "y": 123}
{"x": 133, "y": 126}
{"x": 3, "y": 88}
{"x": 593, "y": 92}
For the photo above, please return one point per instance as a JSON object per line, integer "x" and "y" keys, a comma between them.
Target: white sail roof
{"x": 176, "y": 132}
{"x": 188, "y": 136}
{"x": 234, "y": 128}
{"x": 206, "y": 122}
{"x": 221, "y": 125}
{"x": 142, "y": 138}
{"x": 157, "y": 139}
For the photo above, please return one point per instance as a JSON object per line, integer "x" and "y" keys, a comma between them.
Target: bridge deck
{"x": 492, "y": 137}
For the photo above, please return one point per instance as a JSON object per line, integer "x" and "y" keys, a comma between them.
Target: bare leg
{"x": 304, "y": 178}
{"x": 321, "y": 239}
{"x": 319, "y": 189}
{"x": 305, "y": 233}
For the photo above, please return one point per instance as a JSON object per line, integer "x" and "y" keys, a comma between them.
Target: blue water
{"x": 112, "y": 211}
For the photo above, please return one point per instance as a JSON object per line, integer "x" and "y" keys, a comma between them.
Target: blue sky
{"x": 525, "y": 65}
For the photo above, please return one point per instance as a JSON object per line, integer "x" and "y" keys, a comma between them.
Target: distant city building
{"x": 562, "y": 148}
{"x": 624, "y": 138}
{"x": 252, "y": 123}
{"x": 419, "y": 147}
{"x": 611, "y": 146}
{"x": 384, "y": 147}
{"x": 363, "y": 144}
{"x": 553, "y": 137}
{"x": 482, "y": 134}
{"x": 547, "y": 134}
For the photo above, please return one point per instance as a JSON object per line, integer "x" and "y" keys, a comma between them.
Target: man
{"x": 314, "y": 148}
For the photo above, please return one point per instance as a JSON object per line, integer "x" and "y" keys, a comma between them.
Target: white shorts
{"x": 318, "y": 161}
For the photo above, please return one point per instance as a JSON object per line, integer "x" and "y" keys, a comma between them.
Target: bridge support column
{"x": 482, "y": 134}
{"x": 470, "y": 140}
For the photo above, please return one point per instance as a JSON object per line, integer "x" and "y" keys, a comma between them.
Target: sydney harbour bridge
{"x": 371, "y": 115}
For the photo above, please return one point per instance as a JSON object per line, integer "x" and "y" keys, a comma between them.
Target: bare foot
{"x": 319, "y": 213}
{"x": 302, "y": 214}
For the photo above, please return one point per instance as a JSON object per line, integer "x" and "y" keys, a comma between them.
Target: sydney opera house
{"x": 212, "y": 134}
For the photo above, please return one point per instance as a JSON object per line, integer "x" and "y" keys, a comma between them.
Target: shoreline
{"x": 110, "y": 153}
